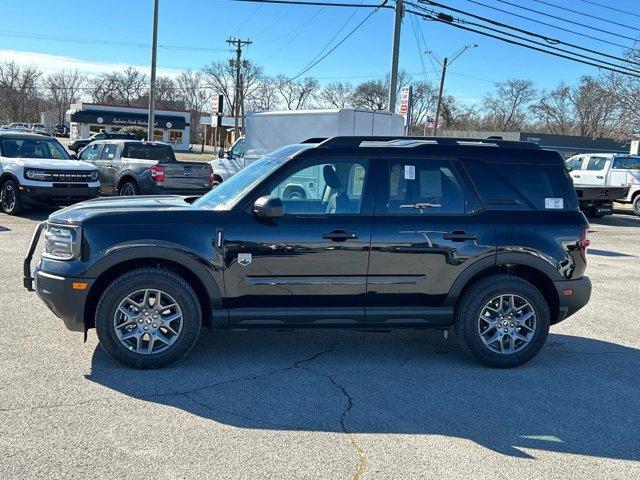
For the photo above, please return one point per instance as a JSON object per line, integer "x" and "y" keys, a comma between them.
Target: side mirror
{"x": 268, "y": 207}
{"x": 73, "y": 156}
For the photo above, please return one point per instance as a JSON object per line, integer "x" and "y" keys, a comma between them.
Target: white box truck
{"x": 267, "y": 131}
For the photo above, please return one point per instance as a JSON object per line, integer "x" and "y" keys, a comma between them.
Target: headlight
{"x": 61, "y": 243}
{"x": 32, "y": 174}
{"x": 94, "y": 176}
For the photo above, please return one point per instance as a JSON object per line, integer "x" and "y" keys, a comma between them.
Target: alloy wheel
{"x": 148, "y": 321}
{"x": 507, "y": 324}
{"x": 8, "y": 198}
{"x": 128, "y": 191}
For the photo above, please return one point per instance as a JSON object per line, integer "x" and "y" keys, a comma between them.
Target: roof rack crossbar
{"x": 356, "y": 141}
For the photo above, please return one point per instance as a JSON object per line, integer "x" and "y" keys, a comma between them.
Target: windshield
{"x": 229, "y": 192}
{"x": 33, "y": 148}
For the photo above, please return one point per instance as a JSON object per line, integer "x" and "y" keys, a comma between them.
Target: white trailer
{"x": 267, "y": 131}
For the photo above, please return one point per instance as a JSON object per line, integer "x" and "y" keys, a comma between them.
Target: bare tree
{"x": 423, "y": 104}
{"x": 64, "y": 88}
{"x": 554, "y": 111}
{"x": 129, "y": 88}
{"x": 19, "y": 96}
{"x": 264, "y": 96}
{"x": 194, "y": 94}
{"x": 337, "y": 94}
{"x": 221, "y": 77}
{"x": 599, "y": 111}
{"x": 506, "y": 108}
{"x": 296, "y": 94}
{"x": 371, "y": 94}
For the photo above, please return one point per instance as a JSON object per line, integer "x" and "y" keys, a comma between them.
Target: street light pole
{"x": 152, "y": 91}
{"x": 445, "y": 63}
{"x": 395, "y": 54}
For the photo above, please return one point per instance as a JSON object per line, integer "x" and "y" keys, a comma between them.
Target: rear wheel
{"x": 10, "y": 200}
{"x": 502, "y": 321}
{"x": 129, "y": 189}
{"x": 636, "y": 205}
{"x": 148, "y": 318}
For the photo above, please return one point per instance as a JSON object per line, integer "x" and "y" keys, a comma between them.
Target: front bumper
{"x": 64, "y": 297}
{"x": 57, "y": 195}
{"x": 569, "y": 304}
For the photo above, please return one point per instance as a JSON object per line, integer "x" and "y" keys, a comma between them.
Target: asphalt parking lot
{"x": 331, "y": 405}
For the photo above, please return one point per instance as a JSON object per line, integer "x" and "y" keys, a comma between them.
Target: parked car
{"x": 78, "y": 145}
{"x": 135, "y": 167}
{"x": 618, "y": 174}
{"x": 482, "y": 235}
{"x": 35, "y": 170}
{"x": 60, "y": 130}
{"x": 38, "y": 128}
{"x": 18, "y": 126}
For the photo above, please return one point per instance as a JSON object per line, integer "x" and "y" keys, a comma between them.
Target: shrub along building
{"x": 171, "y": 126}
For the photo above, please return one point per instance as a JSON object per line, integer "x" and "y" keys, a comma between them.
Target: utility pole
{"x": 444, "y": 73}
{"x": 236, "y": 42}
{"x": 395, "y": 54}
{"x": 152, "y": 91}
{"x": 445, "y": 63}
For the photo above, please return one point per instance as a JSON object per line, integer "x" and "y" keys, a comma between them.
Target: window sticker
{"x": 409, "y": 172}
{"x": 554, "y": 203}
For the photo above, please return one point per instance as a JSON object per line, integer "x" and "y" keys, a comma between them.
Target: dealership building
{"x": 171, "y": 126}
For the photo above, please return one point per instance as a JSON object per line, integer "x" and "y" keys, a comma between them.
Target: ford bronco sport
{"x": 400, "y": 232}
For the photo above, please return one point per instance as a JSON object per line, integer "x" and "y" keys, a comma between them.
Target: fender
{"x": 532, "y": 260}
{"x": 124, "y": 174}
{"x": 8, "y": 174}
{"x": 140, "y": 250}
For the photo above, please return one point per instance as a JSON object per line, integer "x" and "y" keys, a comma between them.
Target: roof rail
{"x": 356, "y": 141}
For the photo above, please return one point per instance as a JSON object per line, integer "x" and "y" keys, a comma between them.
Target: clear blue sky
{"x": 287, "y": 37}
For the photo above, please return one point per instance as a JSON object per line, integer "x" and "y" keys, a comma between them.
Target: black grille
{"x": 65, "y": 176}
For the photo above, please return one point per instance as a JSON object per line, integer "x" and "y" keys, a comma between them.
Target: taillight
{"x": 584, "y": 243}
{"x": 157, "y": 173}
{"x": 212, "y": 177}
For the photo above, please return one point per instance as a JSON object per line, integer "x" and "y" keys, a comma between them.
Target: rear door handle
{"x": 599, "y": 176}
{"x": 459, "y": 236}
{"x": 339, "y": 235}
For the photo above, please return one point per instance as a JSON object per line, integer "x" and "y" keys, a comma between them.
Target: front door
{"x": 309, "y": 267}
{"x": 428, "y": 227}
{"x": 595, "y": 169}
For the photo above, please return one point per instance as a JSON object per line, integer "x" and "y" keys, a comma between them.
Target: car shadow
{"x": 608, "y": 253}
{"x": 578, "y": 396}
{"x": 616, "y": 221}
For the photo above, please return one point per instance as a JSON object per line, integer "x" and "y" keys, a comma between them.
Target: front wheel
{"x": 148, "y": 318}
{"x": 502, "y": 321}
{"x": 10, "y": 200}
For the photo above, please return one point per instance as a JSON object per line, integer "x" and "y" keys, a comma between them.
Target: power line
{"x": 533, "y": 10}
{"x": 322, "y": 4}
{"x": 550, "y": 40}
{"x": 248, "y": 19}
{"x": 568, "y": 30}
{"x": 610, "y": 8}
{"x": 563, "y": 7}
{"x": 305, "y": 70}
{"x": 447, "y": 19}
{"x": 297, "y": 32}
{"x": 415, "y": 32}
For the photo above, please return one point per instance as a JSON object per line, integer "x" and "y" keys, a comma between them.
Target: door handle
{"x": 339, "y": 235}
{"x": 459, "y": 236}
{"x": 599, "y": 176}
{"x": 576, "y": 176}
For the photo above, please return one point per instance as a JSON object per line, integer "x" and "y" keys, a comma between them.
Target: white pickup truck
{"x": 609, "y": 171}
{"x": 36, "y": 170}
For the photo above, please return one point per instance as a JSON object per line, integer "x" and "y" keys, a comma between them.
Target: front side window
{"x": 324, "y": 188}
{"x": 91, "y": 151}
{"x": 574, "y": 163}
{"x": 423, "y": 186}
{"x": 32, "y": 148}
{"x": 237, "y": 151}
{"x": 596, "y": 163}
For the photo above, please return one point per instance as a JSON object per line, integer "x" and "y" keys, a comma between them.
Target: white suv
{"x": 36, "y": 170}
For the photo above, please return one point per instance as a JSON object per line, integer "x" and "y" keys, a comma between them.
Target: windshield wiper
{"x": 422, "y": 206}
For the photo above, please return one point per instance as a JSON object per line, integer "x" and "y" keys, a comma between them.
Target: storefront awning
{"x": 124, "y": 119}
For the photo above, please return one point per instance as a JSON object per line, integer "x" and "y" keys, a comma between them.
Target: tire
{"x": 129, "y": 189}
{"x": 636, "y": 205}
{"x": 475, "y": 301}
{"x": 10, "y": 200}
{"x": 174, "y": 289}
{"x": 295, "y": 193}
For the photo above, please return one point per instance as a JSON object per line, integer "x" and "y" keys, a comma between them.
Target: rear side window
{"x": 627, "y": 163}
{"x": 109, "y": 152}
{"x": 596, "y": 163}
{"x": 425, "y": 186}
{"x": 161, "y": 153}
{"x": 518, "y": 186}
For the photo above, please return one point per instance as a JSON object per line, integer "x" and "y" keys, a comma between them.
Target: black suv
{"x": 80, "y": 143}
{"x": 482, "y": 235}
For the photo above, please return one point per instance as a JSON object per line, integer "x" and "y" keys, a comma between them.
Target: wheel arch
{"x": 534, "y": 270}
{"x": 187, "y": 266}
{"x": 126, "y": 177}
{"x": 7, "y": 175}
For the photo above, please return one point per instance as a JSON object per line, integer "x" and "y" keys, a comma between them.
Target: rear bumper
{"x": 569, "y": 304}
{"x": 65, "y": 301}
{"x": 161, "y": 190}
{"x": 57, "y": 195}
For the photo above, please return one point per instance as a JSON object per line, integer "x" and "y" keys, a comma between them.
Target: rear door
{"x": 595, "y": 170}
{"x": 428, "y": 228}
{"x": 108, "y": 167}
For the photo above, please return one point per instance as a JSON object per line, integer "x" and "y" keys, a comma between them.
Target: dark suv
{"x": 482, "y": 235}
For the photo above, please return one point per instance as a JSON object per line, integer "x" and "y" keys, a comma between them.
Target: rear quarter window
{"x": 519, "y": 186}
